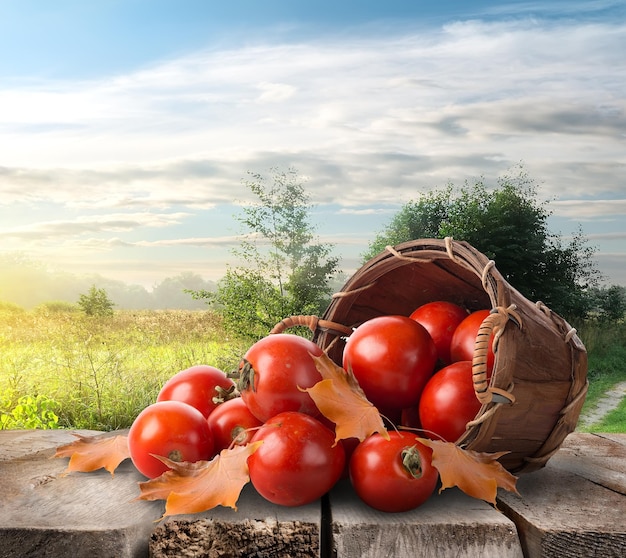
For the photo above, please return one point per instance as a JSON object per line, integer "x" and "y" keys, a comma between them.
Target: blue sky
{"x": 127, "y": 127}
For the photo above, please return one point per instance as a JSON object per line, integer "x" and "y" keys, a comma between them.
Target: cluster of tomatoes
{"x": 416, "y": 370}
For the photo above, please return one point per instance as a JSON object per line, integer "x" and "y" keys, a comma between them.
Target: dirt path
{"x": 606, "y": 404}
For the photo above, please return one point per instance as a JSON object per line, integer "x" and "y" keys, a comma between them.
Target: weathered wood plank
{"x": 257, "y": 528}
{"x": 574, "y": 507}
{"x": 449, "y": 524}
{"x": 595, "y": 457}
{"x": 47, "y": 513}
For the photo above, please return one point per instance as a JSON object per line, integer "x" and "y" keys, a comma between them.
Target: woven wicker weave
{"x": 539, "y": 381}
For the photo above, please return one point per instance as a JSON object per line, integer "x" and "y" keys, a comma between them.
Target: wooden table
{"x": 574, "y": 507}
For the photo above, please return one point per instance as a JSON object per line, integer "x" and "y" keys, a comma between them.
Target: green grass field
{"x": 99, "y": 373}
{"x": 62, "y": 369}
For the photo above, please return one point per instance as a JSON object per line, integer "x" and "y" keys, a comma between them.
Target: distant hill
{"x": 29, "y": 283}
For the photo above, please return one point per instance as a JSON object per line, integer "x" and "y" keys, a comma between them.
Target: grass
{"x": 99, "y": 373}
{"x": 60, "y": 368}
{"x": 606, "y": 348}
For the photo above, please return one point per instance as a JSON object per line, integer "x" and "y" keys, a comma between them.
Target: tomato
{"x": 273, "y": 373}
{"x": 440, "y": 318}
{"x": 392, "y": 358}
{"x": 298, "y": 461}
{"x": 170, "y": 429}
{"x": 200, "y": 386}
{"x": 449, "y": 402}
{"x": 464, "y": 338}
{"x": 393, "y": 475}
{"x": 231, "y": 422}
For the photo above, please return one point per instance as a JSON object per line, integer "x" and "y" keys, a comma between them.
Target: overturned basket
{"x": 539, "y": 381}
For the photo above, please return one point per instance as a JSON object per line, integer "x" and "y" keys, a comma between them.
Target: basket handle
{"x": 494, "y": 323}
{"x": 312, "y": 322}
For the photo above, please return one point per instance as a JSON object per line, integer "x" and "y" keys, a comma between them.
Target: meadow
{"x": 62, "y": 369}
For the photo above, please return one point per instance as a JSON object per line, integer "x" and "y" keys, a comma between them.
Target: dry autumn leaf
{"x": 477, "y": 474}
{"x": 341, "y": 400}
{"x": 91, "y": 453}
{"x": 203, "y": 485}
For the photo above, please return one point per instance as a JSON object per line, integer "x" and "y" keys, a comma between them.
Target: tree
{"x": 285, "y": 269}
{"x": 608, "y": 303}
{"x": 508, "y": 225}
{"x": 96, "y": 302}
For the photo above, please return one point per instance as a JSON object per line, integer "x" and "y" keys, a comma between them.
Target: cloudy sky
{"x": 128, "y": 126}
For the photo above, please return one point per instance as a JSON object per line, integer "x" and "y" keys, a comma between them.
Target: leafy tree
{"x": 96, "y": 302}
{"x": 608, "y": 303}
{"x": 508, "y": 225}
{"x": 285, "y": 270}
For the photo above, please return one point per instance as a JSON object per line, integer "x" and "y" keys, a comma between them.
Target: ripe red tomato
{"x": 273, "y": 373}
{"x": 464, "y": 338}
{"x": 197, "y": 386}
{"x": 298, "y": 461}
{"x": 170, "y": 429}
{"x": 449, "y": 402}
{"x": 231, "y": 422}
{"x": 440, "y": 318}
{"x": 393, "y": 475}
{"x": 392, "y": 357}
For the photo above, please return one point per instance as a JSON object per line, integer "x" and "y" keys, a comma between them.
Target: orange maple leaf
{"x": 90, "y": 453}
{"x": 203, "y": 485}
{"x": 341, "y": 400}
{"x": 477, "y": 474}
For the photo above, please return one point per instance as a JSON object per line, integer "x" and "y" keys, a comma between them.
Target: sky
{"x": 128, "y": 127}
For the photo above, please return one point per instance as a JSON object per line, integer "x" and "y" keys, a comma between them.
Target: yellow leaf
{"x": 477, "y": 474}
{"x": 203, "y": 485}
{"x": 341, "y": 400}
{"x": 90, "y": 453}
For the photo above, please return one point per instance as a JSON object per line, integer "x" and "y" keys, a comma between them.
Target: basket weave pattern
{"x": 540, "y": 361}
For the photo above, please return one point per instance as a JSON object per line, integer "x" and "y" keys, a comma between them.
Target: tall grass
{"x": 99, "y": 373}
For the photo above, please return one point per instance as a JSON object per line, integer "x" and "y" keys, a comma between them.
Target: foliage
{"x": 608, "y": 304}
{"x": 509, "y": 225}
{"x": 29, "y": 412}
{"x": 285, "y": 270}
{"x": 96, "y": 302}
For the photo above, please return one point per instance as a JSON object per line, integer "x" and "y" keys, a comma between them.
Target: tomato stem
{"x": 224, "y": 394}
{"x": 246, "y": 375}
{"x": 175, "y": 455}
{"x": 412, "y": 461}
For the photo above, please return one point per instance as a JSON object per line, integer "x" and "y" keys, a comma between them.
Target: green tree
{"x": 609, "y": 303}
{"x": 285, "y": 269}
{"x": 96, "y": 302}
{"x": 509, "y": 225}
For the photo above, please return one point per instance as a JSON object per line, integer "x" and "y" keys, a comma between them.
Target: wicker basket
{"x": 539, "y": 381}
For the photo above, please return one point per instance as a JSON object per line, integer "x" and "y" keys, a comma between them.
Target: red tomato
{"x": 440, "y": 318}
{"x": 298, "y": 461}
{"x": 273, "y": 373}
{"x": 393, "y": 475}
{"x": 392, "y": 357}
{"x": 170, "y": 429}
{"x": 464, "y": 338}
{"x": 199, "y": 386}
{"x": 231, "y": 422}
{"x": 449, "y": 402}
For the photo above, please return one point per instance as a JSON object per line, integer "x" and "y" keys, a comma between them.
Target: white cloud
{"x": 590, "y": 209}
